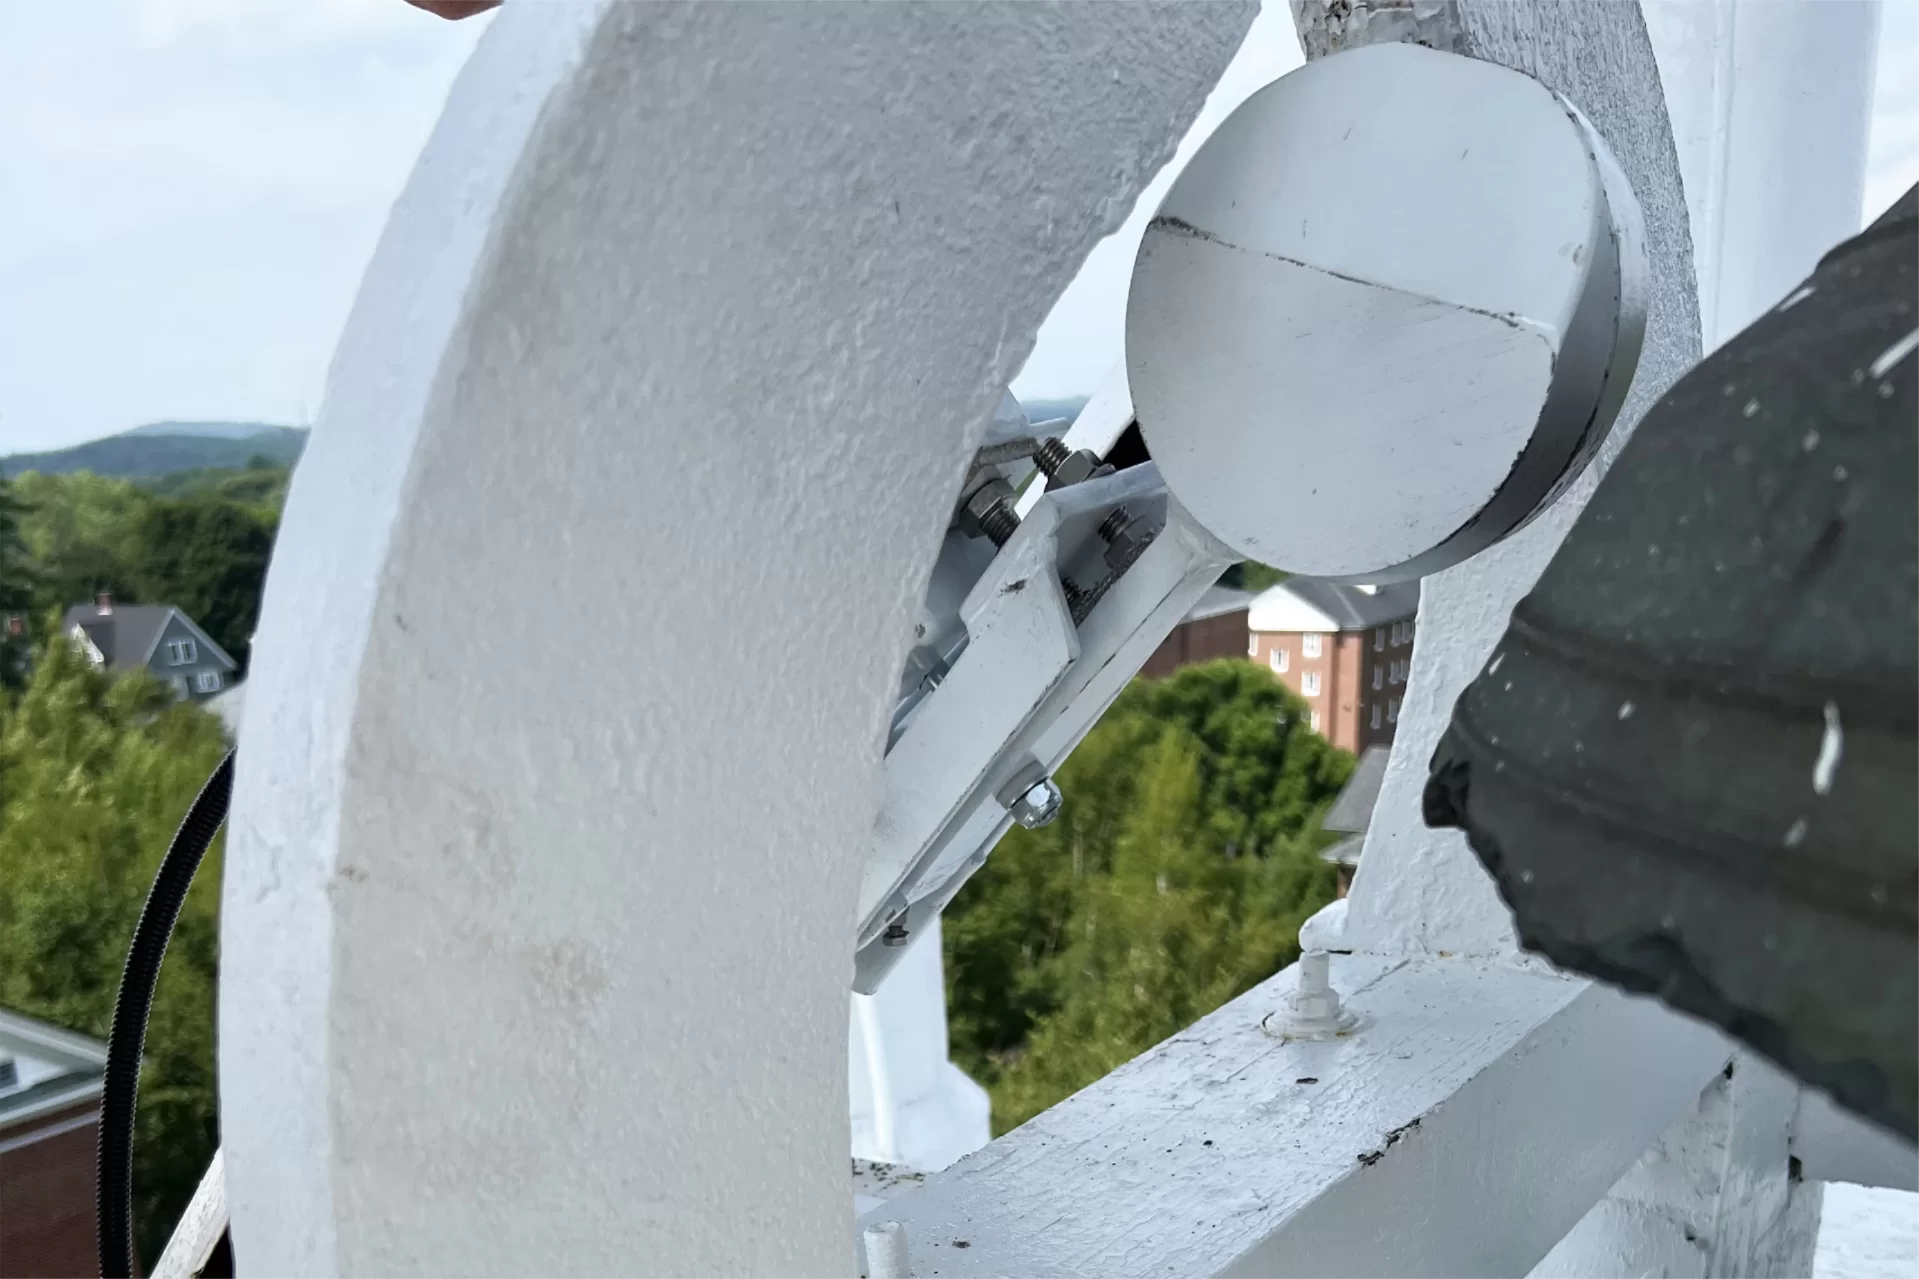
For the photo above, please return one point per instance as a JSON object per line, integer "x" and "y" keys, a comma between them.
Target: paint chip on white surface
{"x": 1751, "y": 409}
{"x": 1798, "y": 295}
{"x": 1795, "y": 833}
{"x": 1893, "y": 354}
{"x": 1867, "y": 1232}
{"x": 1625, "y": 710}
{"x": 1497, "y": 659}
{"x": 1832, "y": 744}
{"x": 1811, "y": 441}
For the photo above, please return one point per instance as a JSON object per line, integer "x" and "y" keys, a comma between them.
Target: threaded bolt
{"x": 1113, "y": 525}
{"x": 1051, "y": 455}
{"x": 1077, "y": 596}
{"x": 1000, "y": 522}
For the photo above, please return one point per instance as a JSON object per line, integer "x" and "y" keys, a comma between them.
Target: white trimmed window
{"x": 179, "y": 686}
{"x": 1379, "y": 677}
{"x": 1309, "y": 646}
{"x": 1252, "y": 644}
{"x": 1376, "y": 714}
{"x": 1309, "y": 683}
{"x": 1392, "y": 712}
{"x": 207, "y": 681}
{"x": 1315, "y": 721}
{"x": 182, "y": 652}
{"x": 1279, "y": 659}
{"x": 1379, "y": 639}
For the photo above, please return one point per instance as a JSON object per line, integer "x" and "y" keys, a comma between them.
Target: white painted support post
{"x": 910, "y": 1105}
{"x": 543, "y": 864}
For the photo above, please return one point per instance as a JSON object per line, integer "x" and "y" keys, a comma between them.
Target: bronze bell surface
{"x": 1690, "y": 762}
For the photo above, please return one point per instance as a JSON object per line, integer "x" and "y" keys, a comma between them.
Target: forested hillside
{"x": 166, "y": 447}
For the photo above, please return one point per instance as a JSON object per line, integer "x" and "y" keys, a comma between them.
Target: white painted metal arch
{"x": 580, "y": 640}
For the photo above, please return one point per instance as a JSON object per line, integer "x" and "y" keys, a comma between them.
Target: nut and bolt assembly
{"x": 1038, "y": 804}
{"x": 1313, "y": 1010}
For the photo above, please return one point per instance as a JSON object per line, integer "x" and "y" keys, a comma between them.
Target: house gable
{"x": 182, "y": 655}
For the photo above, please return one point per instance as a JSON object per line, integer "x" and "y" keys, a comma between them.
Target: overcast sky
{"x": 189, "y": 190}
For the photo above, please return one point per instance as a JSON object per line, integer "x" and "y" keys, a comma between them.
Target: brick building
{"x": 1346, "y": 649}
{"x": 1215, "y": 628}
{"x": 50, "y": 1086}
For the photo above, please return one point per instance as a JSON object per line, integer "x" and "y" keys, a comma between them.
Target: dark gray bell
{"x": 1690, "y": 762}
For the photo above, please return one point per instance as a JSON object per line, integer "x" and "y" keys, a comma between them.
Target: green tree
{"x": 78, "y": 529}
{"x": 207, "y": 557}
{"x": 95, "y": 775}
{"x": 1176, "y": 877}
{"x": 16, "y": 587}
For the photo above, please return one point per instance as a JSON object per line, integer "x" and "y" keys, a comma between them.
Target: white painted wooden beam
{"x": 1476, "y": 1115}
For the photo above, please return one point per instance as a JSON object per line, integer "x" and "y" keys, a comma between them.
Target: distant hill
{"x": 165, "y": 447}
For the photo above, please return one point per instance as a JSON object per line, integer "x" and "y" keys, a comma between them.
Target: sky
{"x": 190, "y": 189}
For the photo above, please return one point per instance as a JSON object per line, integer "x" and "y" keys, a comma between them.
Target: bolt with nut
{"x": 1038, "y": 804}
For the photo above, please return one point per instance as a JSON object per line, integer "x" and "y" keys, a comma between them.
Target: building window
{"x": 1376, "y": 713}
{"x": 1379, "y": 677}
{"x": 207, "y": 681}
{"x": 179, "y": 685}
{"x": 1379, "y": 639}
{"x": 1315, "y": 721}
{"x": 1309, "y": 646}
{"x": 1309, "y": 683}
{"x": 182, "y": 652}
{"x": 1392, "y": 711}
{"x": 1279, "y": 660}
{"x": 1252, "y": 645}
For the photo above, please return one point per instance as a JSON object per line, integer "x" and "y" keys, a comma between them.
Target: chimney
{"x": 16, "y": 624}
{"x": 104, "y": 603}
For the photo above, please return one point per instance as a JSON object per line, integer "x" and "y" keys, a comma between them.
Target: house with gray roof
{"x": 155, "y": 637}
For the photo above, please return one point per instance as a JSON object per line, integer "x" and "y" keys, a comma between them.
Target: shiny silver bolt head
{"x": 1038, "y": 805}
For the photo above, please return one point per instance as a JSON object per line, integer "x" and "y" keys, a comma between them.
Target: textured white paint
{"x": 1711, "y": 1198}
{"x": 1424, "y": 889}
{"x": 197, "y": 1233}
{"x": 1470, "y": 1122}
{"x": 1870, "y": 1234}
{"x": 534, "y": 955}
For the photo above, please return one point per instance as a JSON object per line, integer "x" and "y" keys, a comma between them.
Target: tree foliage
{"x": 95, "y": 775}
{"x": 1177, "y": 876}
{"x": 16, "y": 586}
{"x": 205, "y": 552}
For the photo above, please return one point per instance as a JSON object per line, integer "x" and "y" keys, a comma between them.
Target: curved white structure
{"x": 536, "y": 955}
